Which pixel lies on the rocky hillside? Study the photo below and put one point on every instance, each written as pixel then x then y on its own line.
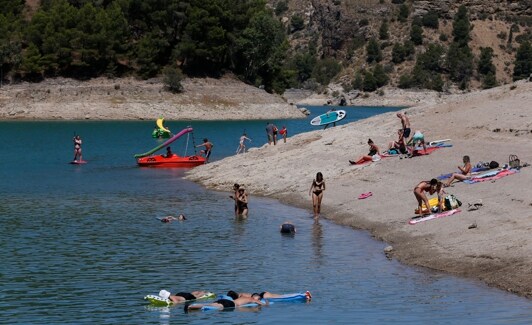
pixel 341 29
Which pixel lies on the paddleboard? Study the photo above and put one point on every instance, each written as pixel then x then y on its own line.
pixel 328 118
pixel 434 216
pixel 78 162
pixel 432 143
pixel 158 301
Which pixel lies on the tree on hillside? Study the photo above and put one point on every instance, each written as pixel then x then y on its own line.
pixel 416 34
pixel 461 26
pixel 380 76
pixel 403 13
pixel 485 64
pixel 370 84
pixel 325 70
pixel 523 62
pixel 373 51
pixel 430 20
pixel 398 53
pixel 383 30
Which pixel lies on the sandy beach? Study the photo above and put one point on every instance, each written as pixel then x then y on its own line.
pixel 487 125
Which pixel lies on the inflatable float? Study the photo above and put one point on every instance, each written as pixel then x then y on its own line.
pixel 161 131
pixel 162 302
pixel 147 159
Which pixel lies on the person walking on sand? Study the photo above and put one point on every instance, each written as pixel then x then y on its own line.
pixel 316 191
pixel 77 148
pixel 431 187
pixel 284 133
pixel 405 123
pixel 465 172
pixel 207 151
pixel 242 145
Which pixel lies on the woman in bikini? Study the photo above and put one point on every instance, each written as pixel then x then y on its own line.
pixel 242 145
pixel 431 187
pixel 316 191
pixel 373 150
pixel 465 172
pixel 77 148
pixel 242 202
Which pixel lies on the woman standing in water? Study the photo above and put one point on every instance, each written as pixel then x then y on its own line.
pixel 77 148
pixel 316 191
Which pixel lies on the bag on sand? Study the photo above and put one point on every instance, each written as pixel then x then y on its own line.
pixel 514 162
pixel 494 164
pixel 451 202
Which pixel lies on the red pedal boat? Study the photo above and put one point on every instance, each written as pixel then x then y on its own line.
pixel 172 161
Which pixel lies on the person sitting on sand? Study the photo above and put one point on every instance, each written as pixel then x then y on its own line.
pixel 418 139
pixel 207 151
pixel 227 303
pixel 373 155
pixel 287 228
pixel 432 186
pixel 316 191
pixel 465 172
pixel 242 145
pixel 399 145
pixel 181 297
pixel 168 219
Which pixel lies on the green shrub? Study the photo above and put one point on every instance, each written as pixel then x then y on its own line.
pixel 373 51
pixel 370 84
pixel 416 35
pixel 444 37
pixel 489 81
pixel 325 70
pixel 358 82
pixel 363 22
pixel 281 7
pixel 297 22
pixel 380 76
pixel 383 30
pixel 398 53
pixel 523 62
pixel 403 13
pixel 430 20
pixel 172 78
pixel 405 81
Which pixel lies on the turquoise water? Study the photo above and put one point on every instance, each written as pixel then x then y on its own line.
pixel 82 245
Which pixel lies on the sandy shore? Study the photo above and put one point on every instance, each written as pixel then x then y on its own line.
pixel 487 125
pixel 131 99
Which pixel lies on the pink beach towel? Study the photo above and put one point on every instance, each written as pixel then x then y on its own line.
pixel 502 174
pixel 425 152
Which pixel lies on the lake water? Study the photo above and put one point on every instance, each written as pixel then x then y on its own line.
pixel 82 245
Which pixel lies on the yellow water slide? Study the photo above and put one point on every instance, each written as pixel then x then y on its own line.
pixel 160 125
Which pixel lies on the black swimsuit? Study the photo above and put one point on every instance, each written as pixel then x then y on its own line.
pixel 186 295
pixel 226 303
pixel 319 188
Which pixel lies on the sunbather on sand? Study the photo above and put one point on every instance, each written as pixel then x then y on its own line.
pixel 374 154
pixel 465 172
pixel 400 144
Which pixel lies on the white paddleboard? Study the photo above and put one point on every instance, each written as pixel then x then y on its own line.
pixel 328 118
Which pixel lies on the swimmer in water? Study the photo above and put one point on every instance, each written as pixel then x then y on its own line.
pixel 168 219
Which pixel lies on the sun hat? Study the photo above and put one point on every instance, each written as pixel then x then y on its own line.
pixel 164 294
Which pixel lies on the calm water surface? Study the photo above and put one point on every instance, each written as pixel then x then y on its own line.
pixel 82 245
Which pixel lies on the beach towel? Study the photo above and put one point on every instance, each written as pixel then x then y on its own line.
pixel 473 170
pixel 490 176
pixel 422 152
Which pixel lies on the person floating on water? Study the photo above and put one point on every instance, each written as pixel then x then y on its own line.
pixel 181 297
pixel 316 191
pixel 227 303
pixel 77 148
pixel 169 219
pixel 263 295
pixel 242 145
pixel 208 148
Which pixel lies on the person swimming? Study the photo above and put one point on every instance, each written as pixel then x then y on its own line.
pixel 168 219
pixel 287 228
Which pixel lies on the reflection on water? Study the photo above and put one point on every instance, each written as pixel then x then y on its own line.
pixel 317 241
